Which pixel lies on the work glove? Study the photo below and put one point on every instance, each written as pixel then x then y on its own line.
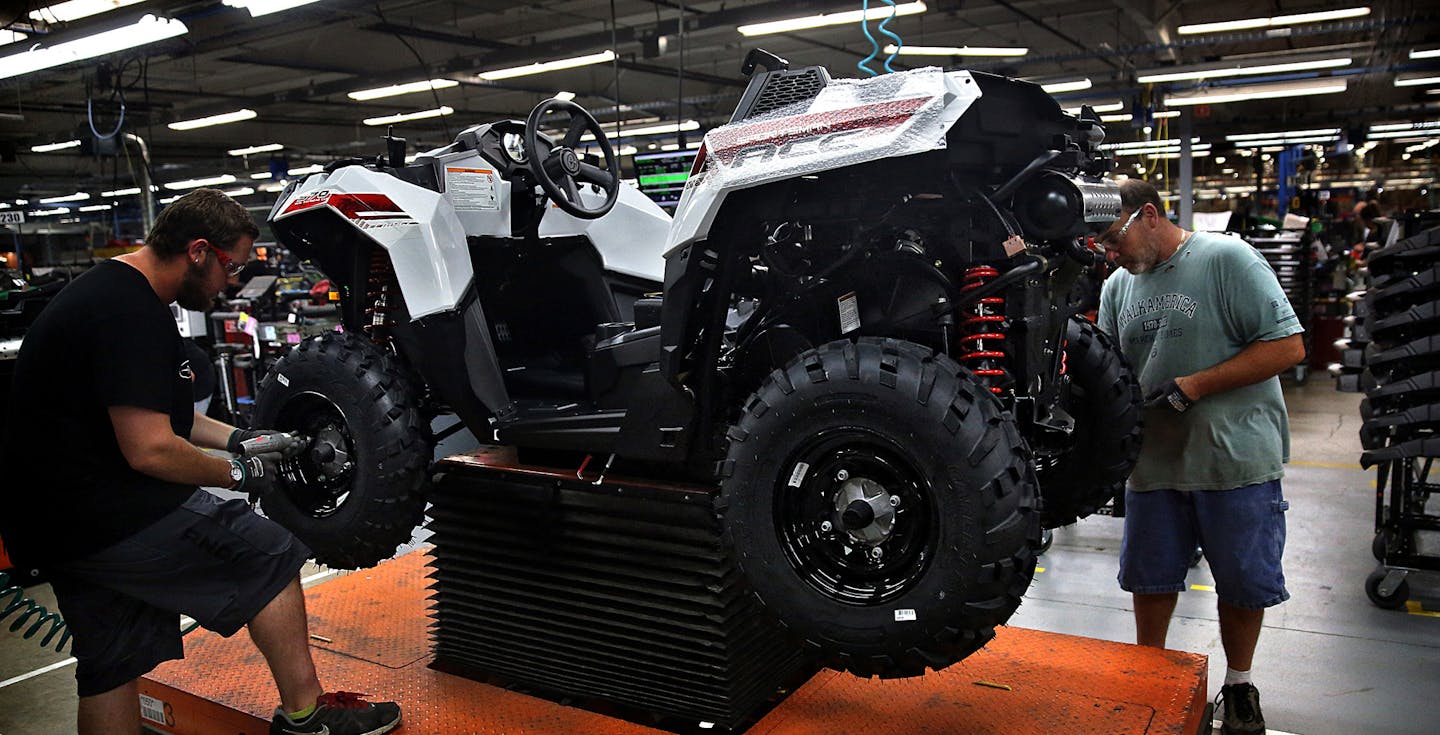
pixel 254 442
pixel 1169 395
pixel 258 474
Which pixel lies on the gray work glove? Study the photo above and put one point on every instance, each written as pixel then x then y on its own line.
pixel 255 442
pixel 1169 395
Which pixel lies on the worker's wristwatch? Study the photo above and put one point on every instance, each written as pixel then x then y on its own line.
pixel 237 474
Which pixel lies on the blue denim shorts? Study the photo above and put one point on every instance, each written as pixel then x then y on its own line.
pixel 1242 532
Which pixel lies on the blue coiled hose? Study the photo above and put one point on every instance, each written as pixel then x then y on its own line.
pixel 875 45
pixel 13 600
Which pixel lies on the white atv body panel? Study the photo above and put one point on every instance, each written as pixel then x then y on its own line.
pixel 425 232
pixel 416 226
pixel 850 121
pixel 630 238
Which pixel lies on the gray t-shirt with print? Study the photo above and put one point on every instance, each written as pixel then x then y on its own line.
pixel 1211 299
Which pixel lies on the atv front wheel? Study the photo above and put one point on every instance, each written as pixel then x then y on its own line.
pixel 1105 403
pixel 880 503
pixel 356 493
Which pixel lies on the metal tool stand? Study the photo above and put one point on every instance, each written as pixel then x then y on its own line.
pixel 1396 343
pixel 1290 254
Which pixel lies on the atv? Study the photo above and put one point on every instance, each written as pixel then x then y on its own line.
pixel 861 325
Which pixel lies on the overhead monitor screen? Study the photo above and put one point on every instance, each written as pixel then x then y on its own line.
pixel 662 175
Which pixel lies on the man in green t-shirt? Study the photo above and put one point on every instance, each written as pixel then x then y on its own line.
pixel 1207 328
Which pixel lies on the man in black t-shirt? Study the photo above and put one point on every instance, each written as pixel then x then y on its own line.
pixel 104 450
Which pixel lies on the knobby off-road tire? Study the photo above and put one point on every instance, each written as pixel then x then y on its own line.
pixel 946 479
pixel 358 492
pixel 1105 403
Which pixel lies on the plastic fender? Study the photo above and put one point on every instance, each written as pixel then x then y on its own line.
pixel 416 226
pixel 630 239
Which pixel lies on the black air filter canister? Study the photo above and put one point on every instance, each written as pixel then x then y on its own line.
pixel 620 592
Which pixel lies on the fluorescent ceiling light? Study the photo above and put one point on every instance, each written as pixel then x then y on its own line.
pixel 1427 53
pixel 258 8
pixel 650 130
pixel 77 9
pixel 260 175
pixel 564 96
pixel 50 212
pixel 266 148
pixel 221 119
pixel 1166 113
pixel 1285 142
pixel 1238 69
pixel 1405 126
pixel 120 192
pixel 1417 81
pixel 1099 107
pixel 313 168
pixel 957 50
pixel 1279 21
pixel 1285 134
pixel 1073 85
pixel 52 147
pixel 197 183
pixel 408 116
pixel 1123 117
pixel 628 150
pixel 1144 144
pixel 398 89
pixel 76 197
pixel 242 191
pixel 1243 93
pixel 95 208
pixel 8 36
pixel 829 19
pixel 1395 134
pixel 170 200
pixel 273 187
pixel 544 66
pixel 148 29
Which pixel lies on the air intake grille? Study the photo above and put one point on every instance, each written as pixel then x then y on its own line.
pixel 620 592
pixel 787 88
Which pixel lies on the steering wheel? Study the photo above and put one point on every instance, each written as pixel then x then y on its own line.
pixel 561 168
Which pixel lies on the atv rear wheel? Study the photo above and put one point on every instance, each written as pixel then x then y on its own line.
pixel 1105 403
pixel 880 503
pixel 356 493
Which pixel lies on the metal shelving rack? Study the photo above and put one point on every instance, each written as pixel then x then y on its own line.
pixel 1290 254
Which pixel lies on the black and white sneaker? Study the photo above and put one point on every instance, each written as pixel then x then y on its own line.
pixel 340 713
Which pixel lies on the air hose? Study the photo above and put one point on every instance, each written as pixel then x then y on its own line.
pixel 13 600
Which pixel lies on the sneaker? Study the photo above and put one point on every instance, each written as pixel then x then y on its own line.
pixel 1242 710
pixel 340 713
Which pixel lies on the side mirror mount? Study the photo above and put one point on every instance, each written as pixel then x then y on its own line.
pixel 394 149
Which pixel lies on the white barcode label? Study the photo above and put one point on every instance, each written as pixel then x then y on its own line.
pixel 849 313
pixel 797 475
pixel 904 615
pixel 282 379
pixel 152 709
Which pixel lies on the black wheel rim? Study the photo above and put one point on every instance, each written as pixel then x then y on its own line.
pixel 319 480
pixel 831 541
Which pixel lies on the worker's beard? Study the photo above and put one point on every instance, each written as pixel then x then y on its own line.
pixel 193 294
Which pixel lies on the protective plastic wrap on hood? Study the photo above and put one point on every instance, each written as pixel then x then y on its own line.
pixel 851 121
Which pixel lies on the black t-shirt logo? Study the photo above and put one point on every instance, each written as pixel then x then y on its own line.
pixel 186 372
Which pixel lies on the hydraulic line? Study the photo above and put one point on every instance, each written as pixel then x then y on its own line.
pixel 13 600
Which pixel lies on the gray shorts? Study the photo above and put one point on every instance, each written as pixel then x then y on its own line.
pixel 214 560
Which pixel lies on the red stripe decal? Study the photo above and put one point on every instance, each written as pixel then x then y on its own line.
pixel 350 205
pixel 778 132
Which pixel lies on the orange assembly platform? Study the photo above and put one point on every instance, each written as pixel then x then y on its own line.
pixel 369 632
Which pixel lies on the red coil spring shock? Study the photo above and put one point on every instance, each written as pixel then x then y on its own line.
pixel 982 333
pixel 377 296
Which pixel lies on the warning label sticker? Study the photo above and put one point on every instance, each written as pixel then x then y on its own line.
pixel 471 189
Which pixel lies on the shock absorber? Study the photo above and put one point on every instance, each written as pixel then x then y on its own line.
pixel 378 297
pixel 983 347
